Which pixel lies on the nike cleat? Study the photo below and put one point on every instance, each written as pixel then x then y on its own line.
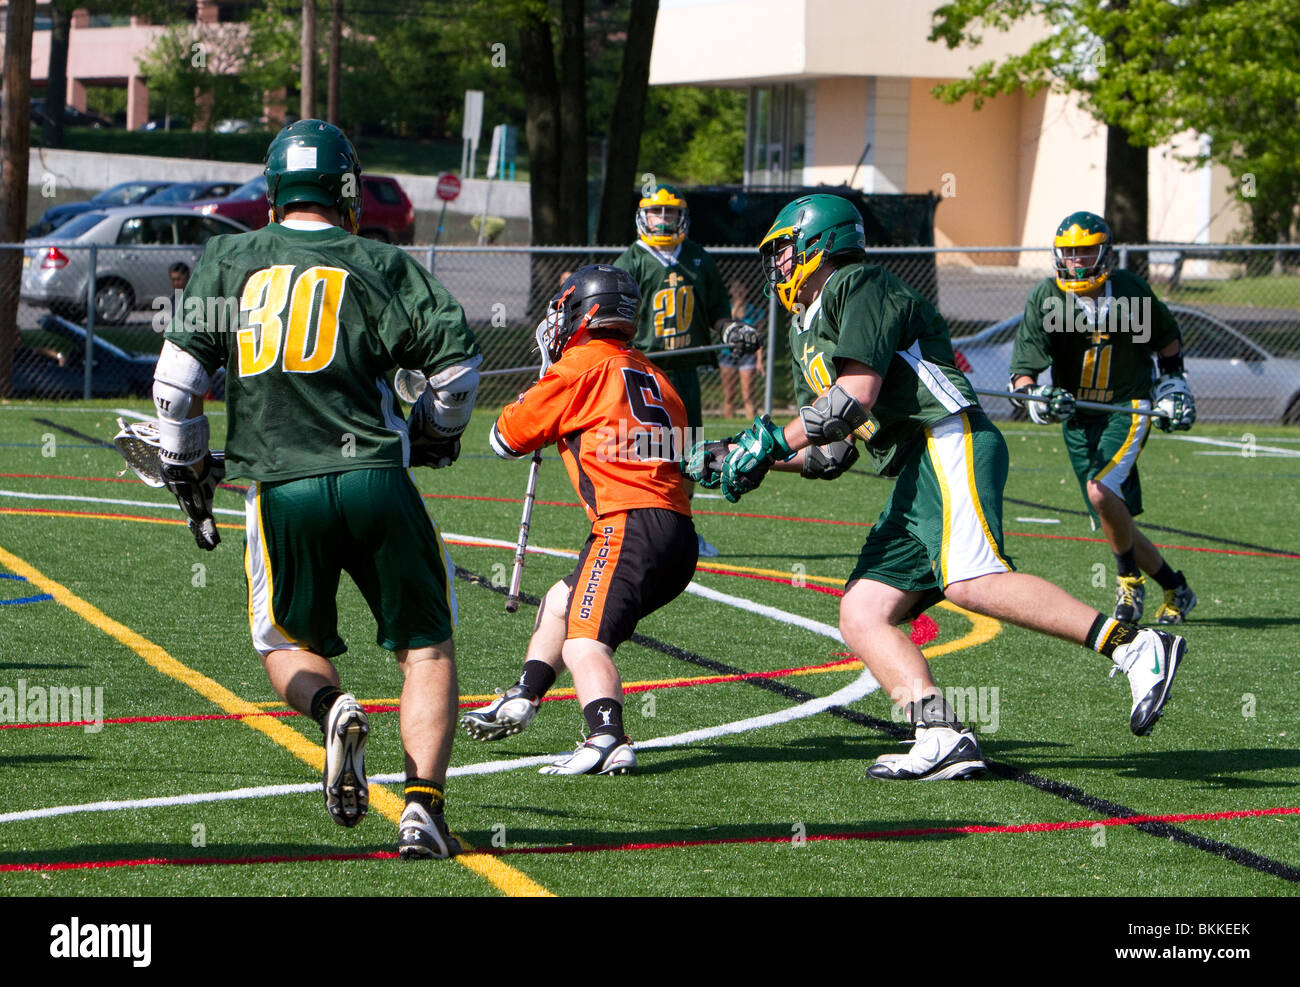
pixel 347 795
pixel 1150 661
pixel 599 754
pixel 504 717
pixel 938 753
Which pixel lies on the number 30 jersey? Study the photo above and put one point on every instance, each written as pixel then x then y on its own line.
pixel 619 425
pixel 310 324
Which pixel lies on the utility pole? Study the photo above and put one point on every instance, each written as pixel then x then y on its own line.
pixel 336 67
pixel 307 104
pixel 15 144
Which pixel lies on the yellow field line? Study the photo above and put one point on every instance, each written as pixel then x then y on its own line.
pixel 503 876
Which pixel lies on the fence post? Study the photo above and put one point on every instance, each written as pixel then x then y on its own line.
pixel 431 249
pixel 88 357
pixel 768 357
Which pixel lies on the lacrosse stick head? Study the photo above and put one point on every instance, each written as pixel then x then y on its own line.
pixel 409 385
pixel 138 444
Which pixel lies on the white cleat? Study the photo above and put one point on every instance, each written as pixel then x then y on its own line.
pixel 1150 661
pixel 347 795
pixel 600 754
pixel 504 717
pixel 938 753
pixel 424 835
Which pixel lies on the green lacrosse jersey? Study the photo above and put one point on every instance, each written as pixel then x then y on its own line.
pixel 867 314
pixel 1099 349
pixel 682 296
pixel 310 325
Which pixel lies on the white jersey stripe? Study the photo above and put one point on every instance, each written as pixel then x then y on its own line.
pixel 968 548
pixel 934 379
pixel 267 635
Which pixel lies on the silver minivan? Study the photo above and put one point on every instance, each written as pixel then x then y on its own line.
pixel 139 246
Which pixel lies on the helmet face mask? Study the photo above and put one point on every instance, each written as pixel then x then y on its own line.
pixel 596 300
pixel 805 233
pixel 662 218
pixel 1082 251
pixel 312 161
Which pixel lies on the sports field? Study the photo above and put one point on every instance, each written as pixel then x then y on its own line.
pixel 753 727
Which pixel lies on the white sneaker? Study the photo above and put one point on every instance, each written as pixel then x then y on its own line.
pixel 707 551
pixel 1150 661
pixel 347 795
pixel 506 716
pixel 600 754
pixel 424 835
pixel 938 753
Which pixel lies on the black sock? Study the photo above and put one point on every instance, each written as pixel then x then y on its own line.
pixel 424 793
pixel 933 711
pixel 1167 578
pixel 1126 564
pixel 1107 634
pixel 323 701
pixel 537 679
pixel 604 716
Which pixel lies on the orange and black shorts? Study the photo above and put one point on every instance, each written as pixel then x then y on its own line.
pixel 633 563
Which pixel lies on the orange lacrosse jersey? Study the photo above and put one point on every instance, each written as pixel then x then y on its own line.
pixel 619 425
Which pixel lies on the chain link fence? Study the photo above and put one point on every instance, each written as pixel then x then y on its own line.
pixel 1238 308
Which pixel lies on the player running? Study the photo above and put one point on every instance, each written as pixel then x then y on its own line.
pixel 326 317
pixel 619 425
pixel 1097 329
pixel 682 298
pixel 873 359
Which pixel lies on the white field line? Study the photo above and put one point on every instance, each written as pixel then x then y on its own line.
pixel 86 411
pixel 158 505
pixel 862 686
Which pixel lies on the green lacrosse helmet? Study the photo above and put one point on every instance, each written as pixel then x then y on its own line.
pixel 313 161
pixel 814 227
pixel 1082 252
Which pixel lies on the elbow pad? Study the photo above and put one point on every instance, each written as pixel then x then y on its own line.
pixel 833 417
pixel 177 380
pixel 449 399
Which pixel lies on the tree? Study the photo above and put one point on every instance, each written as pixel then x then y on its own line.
pixel 1150 70
pixel 15 130
pixel 200 64
pixel 56 79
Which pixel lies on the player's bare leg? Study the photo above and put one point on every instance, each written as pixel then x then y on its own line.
pixel 428 723
pixel 297 676
pixel 594 674
pixel 870 613
pixel 428 715
pixel 730 379
pixel 747 390
pixel 1026 601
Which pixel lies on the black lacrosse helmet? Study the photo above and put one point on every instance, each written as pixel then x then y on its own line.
pixel 598 298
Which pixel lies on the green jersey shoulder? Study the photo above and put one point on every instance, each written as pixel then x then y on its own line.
pixel 866 314
pixel 309 325
pixel 682 296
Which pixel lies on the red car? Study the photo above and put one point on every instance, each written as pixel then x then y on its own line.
pixel 386 211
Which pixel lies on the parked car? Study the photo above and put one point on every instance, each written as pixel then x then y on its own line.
pixel 165 123
pixel 1232 378
pixel 73 117
pixel 60 371
pixel 386 210
pixel 189 192
pixel 232 127
pixel 124 194
pixel 55 276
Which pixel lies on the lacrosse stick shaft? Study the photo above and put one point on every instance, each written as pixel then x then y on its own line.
pixel 521 547
pixel 1117 409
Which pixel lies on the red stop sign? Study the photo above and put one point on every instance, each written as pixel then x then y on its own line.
pixel 448 188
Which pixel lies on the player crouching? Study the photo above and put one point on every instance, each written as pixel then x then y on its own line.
pixel 617 423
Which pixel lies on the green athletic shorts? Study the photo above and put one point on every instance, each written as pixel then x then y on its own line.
pixel 943 521
pixel 370 523
pixel 1105 448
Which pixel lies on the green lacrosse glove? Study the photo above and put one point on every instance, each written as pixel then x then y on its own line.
pixel 704 463
pixel 756 450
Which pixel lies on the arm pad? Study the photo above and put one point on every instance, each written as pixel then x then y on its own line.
pixel 449 399
pixel 832 417
pixel 177 380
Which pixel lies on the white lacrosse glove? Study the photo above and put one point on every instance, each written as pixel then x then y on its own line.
pixel 1046 405
pixel 1173 401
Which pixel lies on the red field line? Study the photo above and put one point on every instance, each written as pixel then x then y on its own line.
pixel 766 517
pixel 880 834
pixel 848 661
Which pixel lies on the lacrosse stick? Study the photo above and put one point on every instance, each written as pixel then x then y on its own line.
pixel 530 496
pixel 1117 409
pixel 138 444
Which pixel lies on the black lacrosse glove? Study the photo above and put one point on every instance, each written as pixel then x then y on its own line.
pixel 194 494
pixel 741 337
pixel 828 461
pixel 434 452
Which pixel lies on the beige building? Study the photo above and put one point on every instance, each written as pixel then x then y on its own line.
pixel 839 93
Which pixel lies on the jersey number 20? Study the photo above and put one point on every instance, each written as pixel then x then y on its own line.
pixel 304 340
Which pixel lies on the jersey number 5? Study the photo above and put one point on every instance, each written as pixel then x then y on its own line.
pixel 305 340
